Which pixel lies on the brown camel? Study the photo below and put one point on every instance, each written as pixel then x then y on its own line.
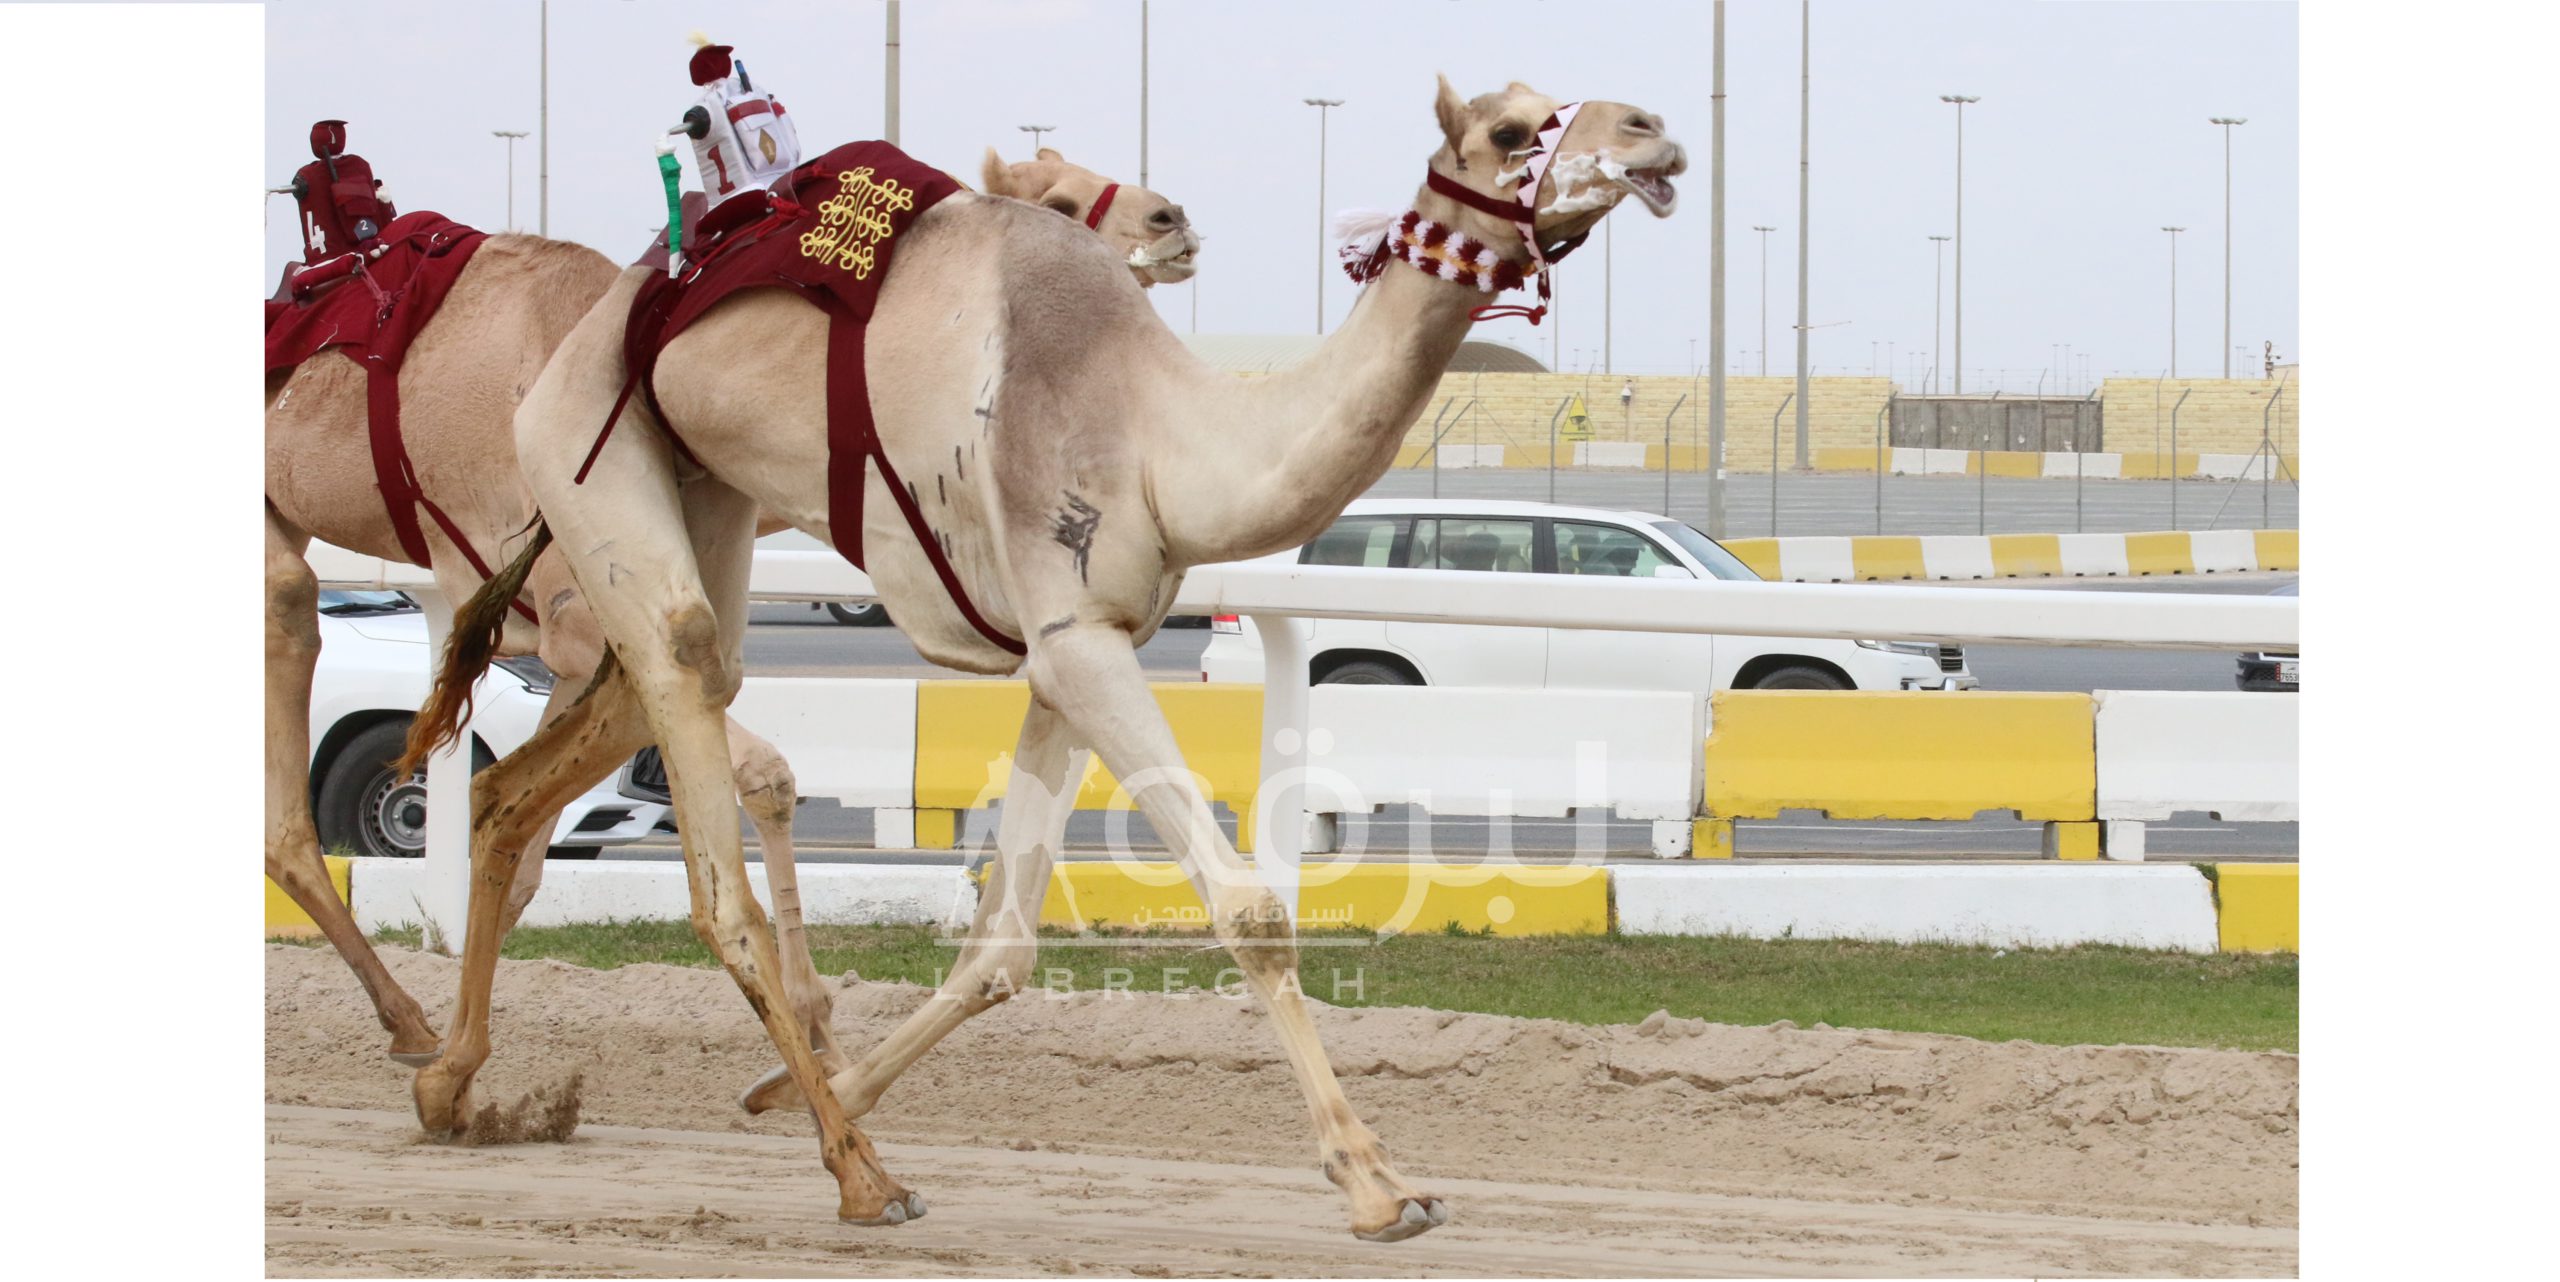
pixel 1073 459
pixel 465 373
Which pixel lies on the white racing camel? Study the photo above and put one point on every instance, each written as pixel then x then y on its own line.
pixel 1046 462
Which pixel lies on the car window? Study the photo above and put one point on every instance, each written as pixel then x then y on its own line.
pixel 1711 554
pixel 1354 540
pixel 1584 548
pixel 1470 543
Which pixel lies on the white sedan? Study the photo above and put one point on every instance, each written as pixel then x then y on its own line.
pixel 371 679
pixel 1542 538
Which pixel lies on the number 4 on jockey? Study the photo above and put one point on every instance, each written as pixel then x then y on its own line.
pixel 341 205
pixel 742 139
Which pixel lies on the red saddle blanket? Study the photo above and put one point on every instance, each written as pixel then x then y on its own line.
pixel 828 233
pixel 379 308
pixel 371 307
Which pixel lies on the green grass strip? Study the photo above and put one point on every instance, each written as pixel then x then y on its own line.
pixel 2065 996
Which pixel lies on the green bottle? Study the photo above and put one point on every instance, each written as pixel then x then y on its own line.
pixel 671 173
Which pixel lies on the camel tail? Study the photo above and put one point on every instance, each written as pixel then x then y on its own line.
pixel 477 629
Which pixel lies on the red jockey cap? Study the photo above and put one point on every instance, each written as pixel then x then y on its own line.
pixel 328 138
pixel 710 62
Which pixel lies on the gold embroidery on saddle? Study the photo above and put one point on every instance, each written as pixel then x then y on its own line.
pixel 853 222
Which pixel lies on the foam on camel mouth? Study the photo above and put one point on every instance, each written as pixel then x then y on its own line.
pixel 1168 269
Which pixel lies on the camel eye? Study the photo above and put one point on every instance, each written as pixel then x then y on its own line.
pixel 1063 205
pixel 1509 137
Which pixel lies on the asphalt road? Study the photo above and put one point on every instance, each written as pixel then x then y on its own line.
pixel 801 641
pixel 1834 503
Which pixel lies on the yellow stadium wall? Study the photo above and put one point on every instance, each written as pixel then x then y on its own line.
pixel 1513 409
pixel 2221 416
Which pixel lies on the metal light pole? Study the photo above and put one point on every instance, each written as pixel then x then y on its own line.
pixel 1035 131
pixel 1142 100
pixel 889 80
pixel 2173 298
pixel 1804 259
pixel 1715 304
pixel 1764 296
pixel 544 147
pixel 510 135
pixel 2227 122
pixel 1608 300
pixel 1959 100
pixel 1324 113
pixel 1937 310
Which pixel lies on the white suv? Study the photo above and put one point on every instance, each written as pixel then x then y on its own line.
pixel 1543 538
pixel 371 679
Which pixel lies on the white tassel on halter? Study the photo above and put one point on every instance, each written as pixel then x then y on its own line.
pixel 1362 231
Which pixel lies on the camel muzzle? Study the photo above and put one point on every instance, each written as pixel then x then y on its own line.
pixel 1171 259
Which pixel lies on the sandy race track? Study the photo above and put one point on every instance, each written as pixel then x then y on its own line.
pixel 1149 1135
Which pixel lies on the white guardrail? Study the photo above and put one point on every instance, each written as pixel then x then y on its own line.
pixel 1272 592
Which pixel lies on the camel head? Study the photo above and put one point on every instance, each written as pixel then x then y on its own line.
pixel 1609 151
pixel 1148 230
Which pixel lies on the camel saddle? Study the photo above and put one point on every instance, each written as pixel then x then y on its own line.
pixel 370 306
pixel 827 231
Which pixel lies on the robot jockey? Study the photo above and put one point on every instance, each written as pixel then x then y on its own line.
pixel 742 139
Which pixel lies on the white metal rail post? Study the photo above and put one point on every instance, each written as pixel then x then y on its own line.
pixel 1276 595
pixel 445 898
pixel 1280 803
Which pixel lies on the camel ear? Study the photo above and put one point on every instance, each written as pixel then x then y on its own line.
pixel 1050 153
pixel 1453 115
pixel 995 174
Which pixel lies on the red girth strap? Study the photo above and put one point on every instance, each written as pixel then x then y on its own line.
pixel 397 478
pixel 853 439
pixel 1101 206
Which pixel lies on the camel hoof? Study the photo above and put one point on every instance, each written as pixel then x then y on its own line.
pixel 773 1090
pixel 417 1059
pixel 1417 1218
pixel 890 1216
pixel 915 1206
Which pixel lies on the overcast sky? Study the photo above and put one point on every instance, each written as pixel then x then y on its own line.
pixel 2090 136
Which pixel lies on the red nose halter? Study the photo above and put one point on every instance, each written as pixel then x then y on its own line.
pixel 1093 219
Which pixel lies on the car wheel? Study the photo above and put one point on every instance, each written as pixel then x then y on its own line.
pixel 1367 672
pixel 1800 677
pixel 868 615
pixel 572 852
pixel 361 806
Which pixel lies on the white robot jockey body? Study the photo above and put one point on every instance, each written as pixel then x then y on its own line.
pixel 742 138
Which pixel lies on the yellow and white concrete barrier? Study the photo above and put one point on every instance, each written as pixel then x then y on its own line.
pixel 1888 557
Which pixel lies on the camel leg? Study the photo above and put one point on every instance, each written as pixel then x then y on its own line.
pixel 1091 675
pixel 587 731
pixel 293 844
pixel 768 792
pixel 1003 944
pixel 664 608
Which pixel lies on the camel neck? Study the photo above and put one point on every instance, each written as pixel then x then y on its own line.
pixel 1264 463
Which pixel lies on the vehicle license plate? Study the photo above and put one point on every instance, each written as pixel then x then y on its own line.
pixel 2289 671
